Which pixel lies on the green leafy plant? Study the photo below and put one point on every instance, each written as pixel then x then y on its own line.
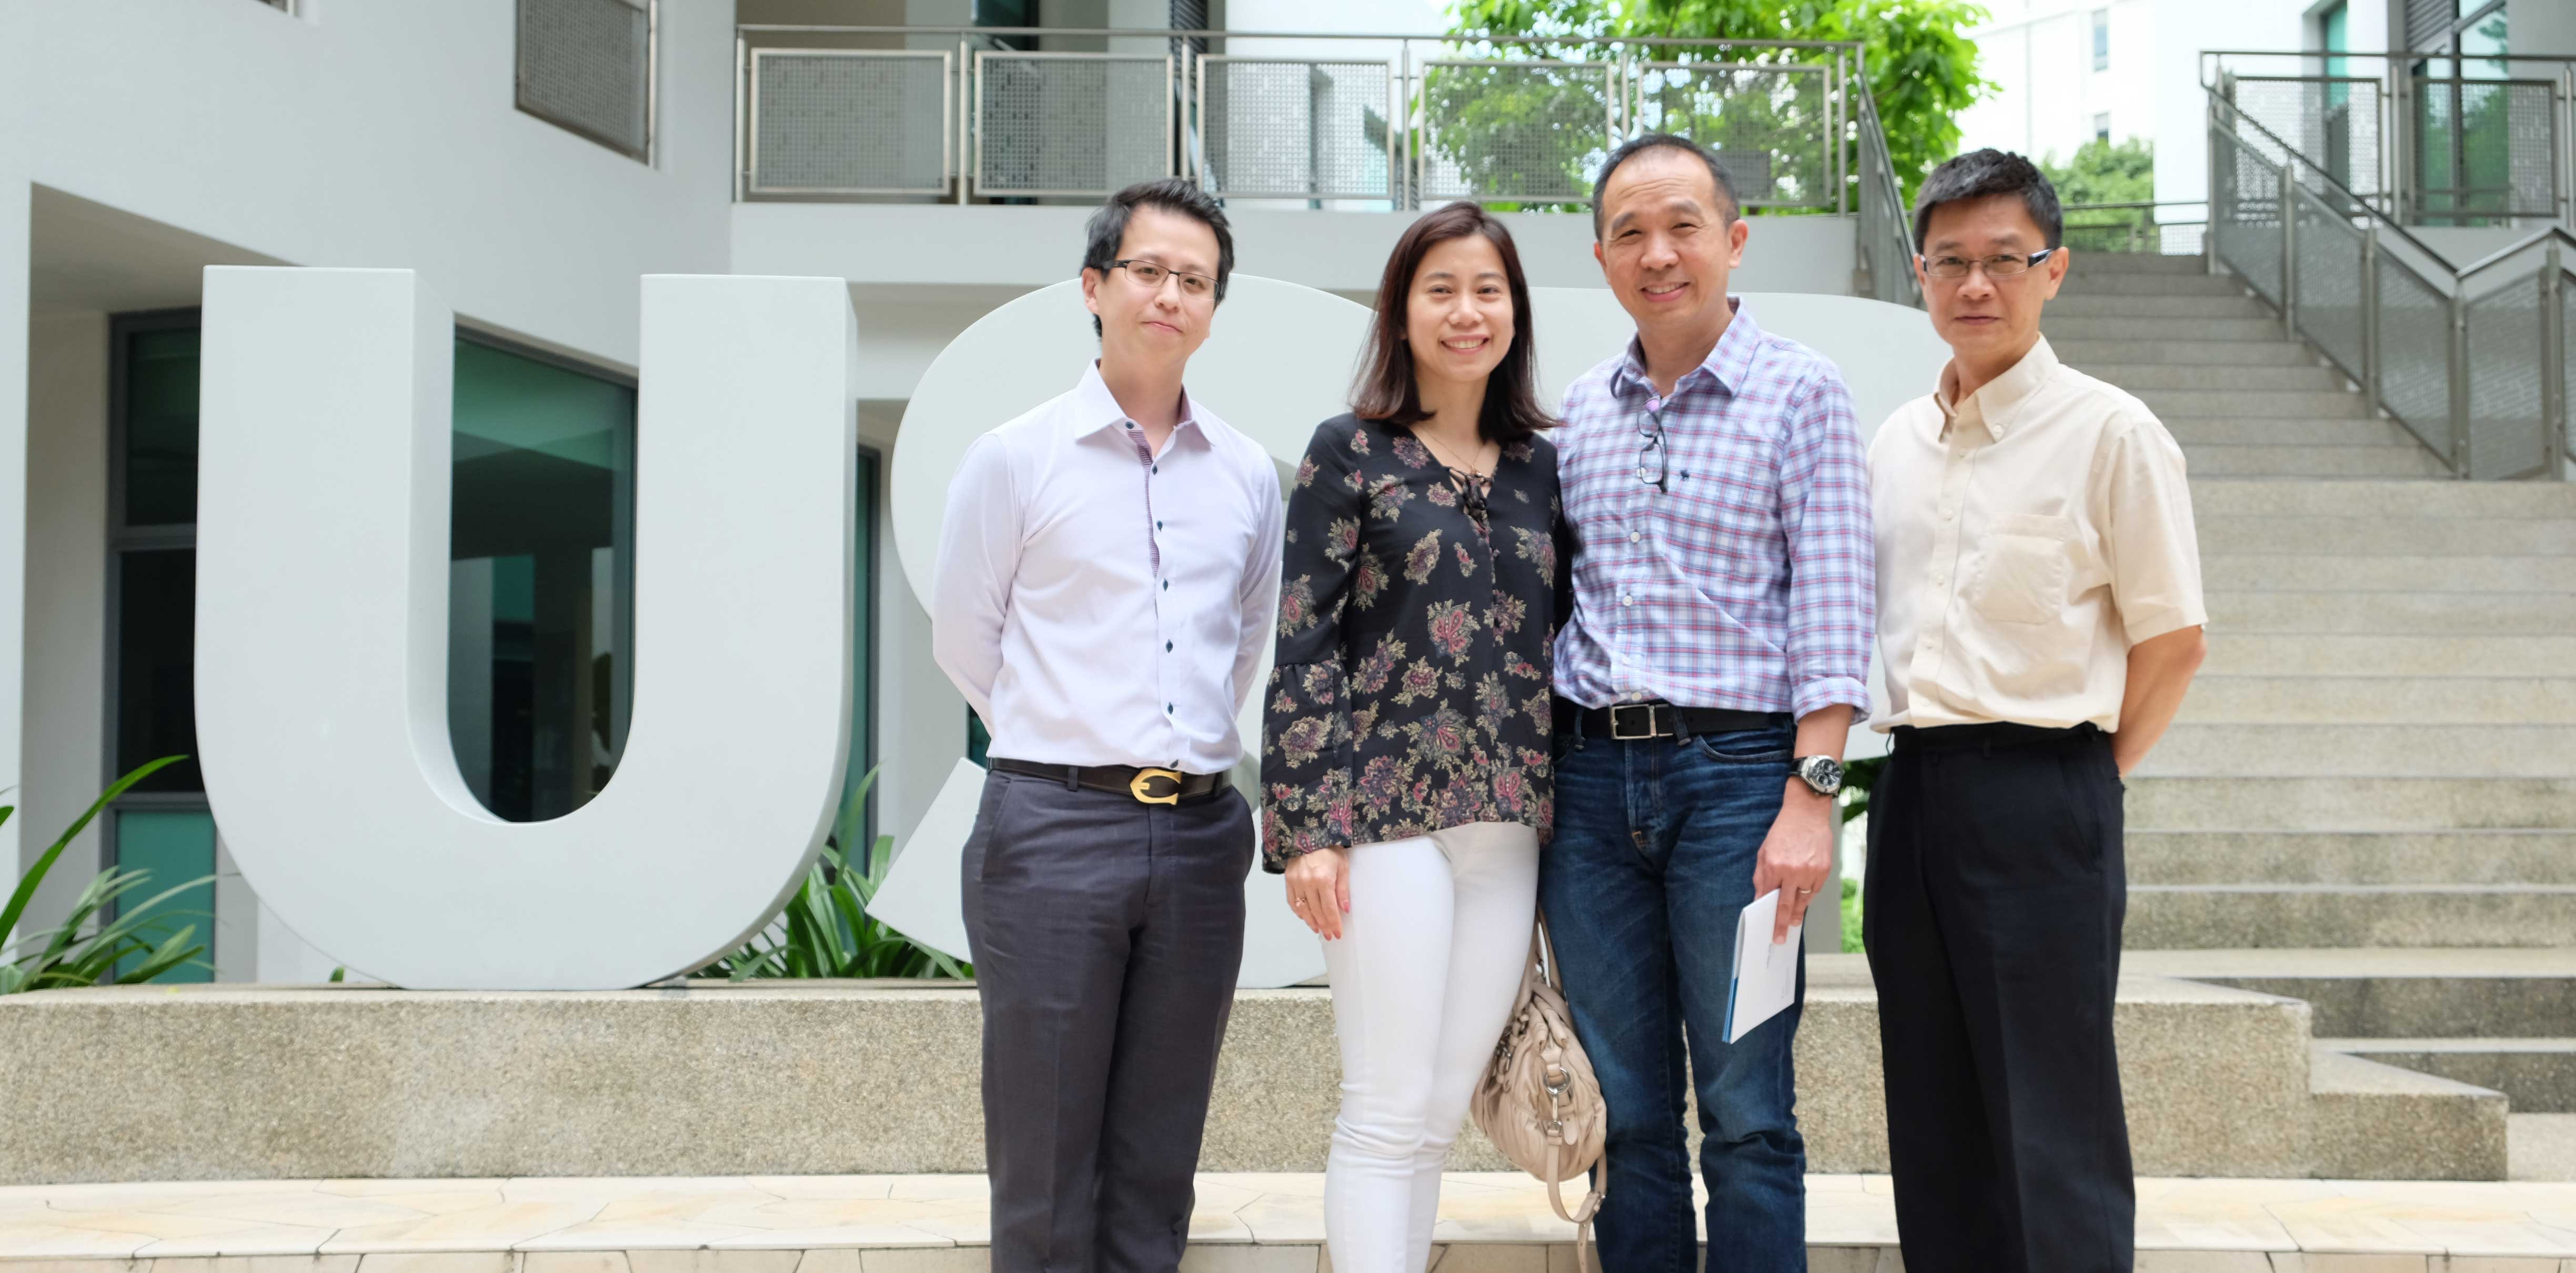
pixel 826 930
pixel 1859 777
pixel 87 949
pixel 1921 71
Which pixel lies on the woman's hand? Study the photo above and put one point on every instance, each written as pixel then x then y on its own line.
pixel 1319 890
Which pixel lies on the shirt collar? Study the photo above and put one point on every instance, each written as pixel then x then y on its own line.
pixel 1997 404
pixel 1729 364
pixel 1096 409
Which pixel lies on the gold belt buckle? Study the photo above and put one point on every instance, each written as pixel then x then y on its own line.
pixel 1136 786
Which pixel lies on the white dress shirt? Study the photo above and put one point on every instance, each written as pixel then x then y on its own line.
pixel 2027 538
pixel 1098 605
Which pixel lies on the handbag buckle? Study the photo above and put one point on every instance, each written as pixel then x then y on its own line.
pixel 1144 777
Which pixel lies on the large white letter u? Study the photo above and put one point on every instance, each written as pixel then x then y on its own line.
pixel 322 630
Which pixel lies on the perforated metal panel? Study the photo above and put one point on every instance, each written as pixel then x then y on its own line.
pixel 588 65
pixel 2489 147
pixel 2506 435
pixel 1530 132
pixel 1296 128
pixel 1770 125
pixel 848 121
pixel 2336 121
pixel 2330 260
pixel 1074 124
pixel 2415 354
pixel 2246 216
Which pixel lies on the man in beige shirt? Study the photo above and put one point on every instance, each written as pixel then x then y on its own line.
pixel 2039 619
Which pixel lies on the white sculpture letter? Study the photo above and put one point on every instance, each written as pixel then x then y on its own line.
pixel 322 628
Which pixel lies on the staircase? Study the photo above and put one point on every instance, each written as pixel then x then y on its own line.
pixel 2369 800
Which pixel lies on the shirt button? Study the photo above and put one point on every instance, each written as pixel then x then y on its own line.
pixel 1154 468
pixel 1949 517
pixel 1167 585
pixel 1635 535
pixel 1167 709
pixel 1627 601
pixel 1131 424
pixel 1158 525
pixel 1167 647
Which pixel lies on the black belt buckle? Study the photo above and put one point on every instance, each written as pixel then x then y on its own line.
pixel 1619 733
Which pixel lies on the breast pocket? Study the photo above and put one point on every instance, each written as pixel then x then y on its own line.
pixel 2028 561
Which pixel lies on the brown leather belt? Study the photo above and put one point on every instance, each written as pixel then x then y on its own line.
pixel 1630 722
pixel 1141 784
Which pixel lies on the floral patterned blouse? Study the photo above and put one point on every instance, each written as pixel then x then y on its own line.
pixel 1417 630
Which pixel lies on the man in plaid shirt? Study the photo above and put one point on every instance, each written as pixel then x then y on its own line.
pixel 1718 499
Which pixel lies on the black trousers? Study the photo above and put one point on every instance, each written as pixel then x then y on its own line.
pixel 1106 936
pixel 1992 912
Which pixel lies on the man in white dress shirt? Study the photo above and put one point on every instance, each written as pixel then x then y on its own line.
pixel 1107 573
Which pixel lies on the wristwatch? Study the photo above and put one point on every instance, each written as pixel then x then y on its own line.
pixel 1822 774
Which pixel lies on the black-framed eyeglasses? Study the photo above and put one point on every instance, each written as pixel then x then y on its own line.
pixel 2002 265
pixel 1152 276
pixel 1653 462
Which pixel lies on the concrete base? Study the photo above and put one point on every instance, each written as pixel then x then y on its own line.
pixel 231 1082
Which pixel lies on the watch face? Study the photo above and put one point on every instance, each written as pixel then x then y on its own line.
pixel 1823 773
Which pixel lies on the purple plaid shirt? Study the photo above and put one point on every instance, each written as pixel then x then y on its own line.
pixel 1747 582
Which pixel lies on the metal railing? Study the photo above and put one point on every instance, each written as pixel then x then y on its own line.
pixel 590 66
pixel 2473 362
pixel 960 113
pixel 2134 227
pixel 2429 140
pixel 1884 254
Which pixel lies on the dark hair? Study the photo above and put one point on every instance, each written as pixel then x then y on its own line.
pixel 1108 227
pixel 1385 388
pixel 1980 173
pixel 1635 146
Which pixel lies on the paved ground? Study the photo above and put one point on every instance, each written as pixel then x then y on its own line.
pixel 1245 1224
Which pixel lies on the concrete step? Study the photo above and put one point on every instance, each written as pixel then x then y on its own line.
pixel 2256 654
pixel 2379 1122
pixel 2088 352
pixel 2360 803
pixel 2095 263
pixel 2381 700
pixel 2352 857
pixel 2327 751
pixel 2086 327
pixel 2240 916
pixel 2139 377
pixel 2538 1076
pixel 2256 404
pixel 2197 305
pixel 2538 1147
pixel 2392 532
pixel 2381 500
pixel 2348 430
pixel 2319 572
pixel 2430 992
pixel 2085 280
pixel 2222 460
pixel 2427 613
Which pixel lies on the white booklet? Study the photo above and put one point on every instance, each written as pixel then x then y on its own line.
pixel 1766 976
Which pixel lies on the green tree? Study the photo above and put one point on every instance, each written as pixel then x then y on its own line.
pixel 2104 172
pixel 1920 70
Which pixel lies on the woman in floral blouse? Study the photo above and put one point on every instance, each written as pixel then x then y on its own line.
pixel 1407 767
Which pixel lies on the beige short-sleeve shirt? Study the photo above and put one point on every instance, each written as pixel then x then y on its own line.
pixel 2027 537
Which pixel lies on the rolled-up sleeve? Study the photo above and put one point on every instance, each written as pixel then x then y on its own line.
pixel 2148 537
pixel 1824 512
pixel 1306 728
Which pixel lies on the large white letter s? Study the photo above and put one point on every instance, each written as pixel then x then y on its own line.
pixel 322 584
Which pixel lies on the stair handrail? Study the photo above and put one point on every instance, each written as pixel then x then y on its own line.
pixel 2557 423
pixel 1879 185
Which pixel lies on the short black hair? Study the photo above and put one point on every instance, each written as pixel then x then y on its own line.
pixel 1980 173
pixel 1663 141
pixel 1108 227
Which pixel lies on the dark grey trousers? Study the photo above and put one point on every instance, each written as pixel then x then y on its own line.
pixel 1107 935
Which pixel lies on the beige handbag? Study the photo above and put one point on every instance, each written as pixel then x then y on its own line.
pixel 1538 1101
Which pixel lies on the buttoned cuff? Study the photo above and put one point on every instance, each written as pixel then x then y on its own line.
pixel 1816 695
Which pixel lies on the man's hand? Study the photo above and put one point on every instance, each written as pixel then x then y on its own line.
pixel 1319 890
pixel 1797 855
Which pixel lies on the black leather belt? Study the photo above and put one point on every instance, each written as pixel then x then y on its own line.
pixel 1143 785
pixel 1633 722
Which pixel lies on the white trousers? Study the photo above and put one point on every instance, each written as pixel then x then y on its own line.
pixel 1423 977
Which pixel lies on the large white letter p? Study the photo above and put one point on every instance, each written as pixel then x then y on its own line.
pixel 322 592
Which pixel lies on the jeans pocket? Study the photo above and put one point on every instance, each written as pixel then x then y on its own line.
pixel 1746 747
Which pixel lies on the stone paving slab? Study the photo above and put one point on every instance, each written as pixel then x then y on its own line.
pixel 1246 1223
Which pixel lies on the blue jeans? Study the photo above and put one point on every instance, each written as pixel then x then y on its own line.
pixel 1653 857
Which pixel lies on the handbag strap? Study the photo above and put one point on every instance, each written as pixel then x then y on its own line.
pixel 1584 1261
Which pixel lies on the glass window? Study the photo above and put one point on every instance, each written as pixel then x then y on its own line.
pixel 2101 39
pixel 540 614
pixel 158 464
pixel 2102 126
pixel 863 646
pixel 156 666
pixel 175 846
